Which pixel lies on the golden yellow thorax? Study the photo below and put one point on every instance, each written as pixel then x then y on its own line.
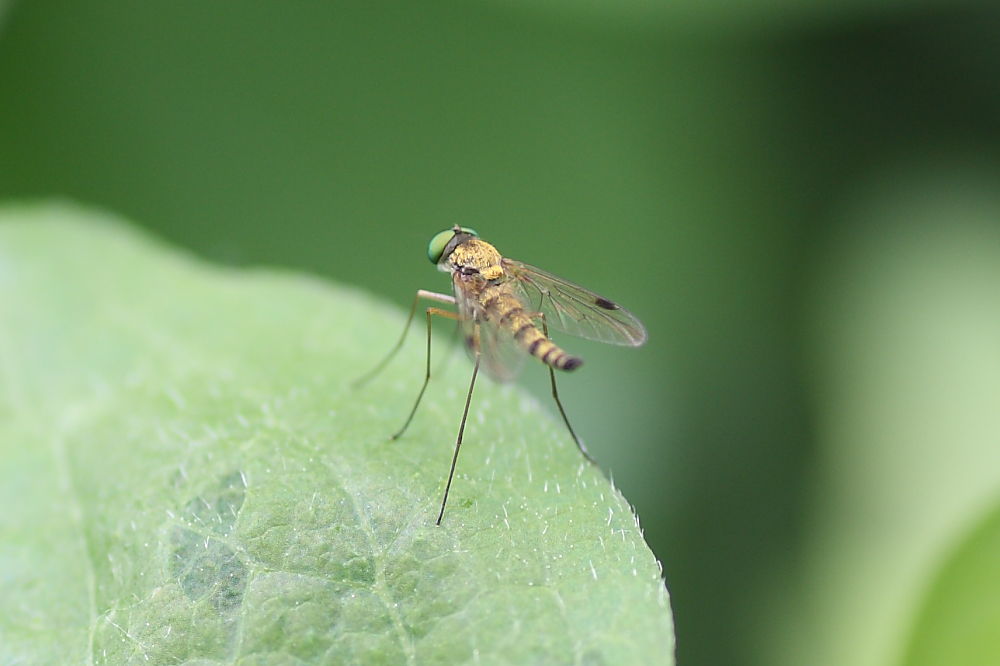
pixel 480 255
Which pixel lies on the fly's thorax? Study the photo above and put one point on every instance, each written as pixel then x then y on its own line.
pixel 476 257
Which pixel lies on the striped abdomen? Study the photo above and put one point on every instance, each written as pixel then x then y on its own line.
pixel 505 310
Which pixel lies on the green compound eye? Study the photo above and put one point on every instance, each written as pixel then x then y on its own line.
pixel 438 244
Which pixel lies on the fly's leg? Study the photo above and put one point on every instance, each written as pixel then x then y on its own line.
pixel 427 376
pixel 458 441
pixel 555 395
pixel 446 361
pixel 421 293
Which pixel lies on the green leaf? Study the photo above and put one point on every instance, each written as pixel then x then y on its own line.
pixel 188 477
pixel 959 622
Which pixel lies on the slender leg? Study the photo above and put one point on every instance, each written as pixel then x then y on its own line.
pixel 452 347
pixel 421 293
pixel 555 395
pixel 458 442
pixel 427 376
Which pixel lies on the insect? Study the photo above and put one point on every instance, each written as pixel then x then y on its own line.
pixel 504 310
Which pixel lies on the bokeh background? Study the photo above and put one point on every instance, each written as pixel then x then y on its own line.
pixel 801 200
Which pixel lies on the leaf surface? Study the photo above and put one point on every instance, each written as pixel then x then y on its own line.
pixel 190 479
pixel 958 620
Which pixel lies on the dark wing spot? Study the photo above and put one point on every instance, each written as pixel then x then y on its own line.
pixel 602 302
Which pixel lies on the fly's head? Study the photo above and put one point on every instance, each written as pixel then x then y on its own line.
pixel 460 251
pixel 443 245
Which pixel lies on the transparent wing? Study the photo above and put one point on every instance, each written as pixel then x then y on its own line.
pixel 572 309
pixel 499 353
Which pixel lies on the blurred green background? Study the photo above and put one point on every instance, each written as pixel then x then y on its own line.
pixel 801 201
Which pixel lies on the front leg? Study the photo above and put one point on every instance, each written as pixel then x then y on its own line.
pixel 427 375
pixel 421 294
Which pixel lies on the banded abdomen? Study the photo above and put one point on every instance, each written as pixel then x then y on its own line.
pixel 506 311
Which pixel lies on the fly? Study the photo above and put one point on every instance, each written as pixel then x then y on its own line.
pixel 504 309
